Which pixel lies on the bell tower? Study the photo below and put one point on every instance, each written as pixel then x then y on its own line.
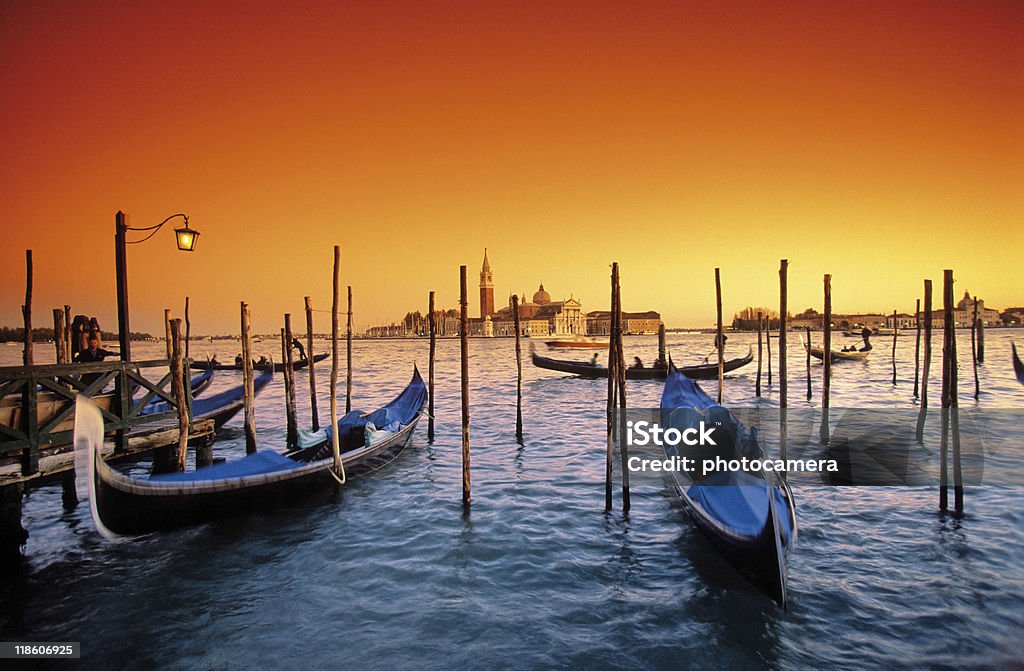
pixel 486 289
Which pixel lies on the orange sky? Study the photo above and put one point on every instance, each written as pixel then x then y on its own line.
pixel 881 142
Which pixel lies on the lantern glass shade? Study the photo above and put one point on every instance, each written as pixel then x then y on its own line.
pixel 186 238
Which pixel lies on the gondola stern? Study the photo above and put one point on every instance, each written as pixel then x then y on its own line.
pixel 88 442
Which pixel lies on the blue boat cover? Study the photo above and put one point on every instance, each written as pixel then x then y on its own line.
pixel 211 404
pixel 738 500
pixel 259 462
pixel 399 412
pixel 405 406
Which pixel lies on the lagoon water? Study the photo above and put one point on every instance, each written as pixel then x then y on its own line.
pixel 390 574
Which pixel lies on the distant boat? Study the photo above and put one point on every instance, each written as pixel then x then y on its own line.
pixel 874 332
pixel 819 353
pixel 589 370
pixel 1018 367
pixel 577 342
pixel 126 504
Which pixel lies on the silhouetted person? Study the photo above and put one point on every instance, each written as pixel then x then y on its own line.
pixel 866 334
pixel 94 353
pixel 637 363
pixel 302 350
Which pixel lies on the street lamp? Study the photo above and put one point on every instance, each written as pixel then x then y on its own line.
pixel 186 238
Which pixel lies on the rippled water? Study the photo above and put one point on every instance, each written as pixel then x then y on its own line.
pixel 391 574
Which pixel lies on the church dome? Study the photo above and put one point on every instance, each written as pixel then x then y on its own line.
pixel 541 297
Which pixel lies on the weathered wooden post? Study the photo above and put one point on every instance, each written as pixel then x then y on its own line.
pixel 309 366
pixel 719 336
pixel 927 342
pixel 613 380
pixel 430 372
pixel 620 374
pixel 826 384
pixel 768 345
pixel 69 353
pixel 783 383
pixel 808 362
pixel 167 331
pixel 950 401
pixel 26 309
pixel 917 348
pixel 464 344
pixel 974 348
pixel 519 371
pixel 348 355
pixel 981 336
pixel 895 334
pixel 178 390
pixel 247 378
pixel 339 465
pixel 58 336
pixel 757 385
pixel 291 421
pixel 188 330
pixel 662 359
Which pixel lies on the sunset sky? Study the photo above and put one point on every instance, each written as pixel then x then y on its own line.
pixel 878 141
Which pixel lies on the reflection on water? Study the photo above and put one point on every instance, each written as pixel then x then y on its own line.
pixel 390 574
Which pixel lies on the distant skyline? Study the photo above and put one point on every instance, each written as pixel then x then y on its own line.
pixel 880 142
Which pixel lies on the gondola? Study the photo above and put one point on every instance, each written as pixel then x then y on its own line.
pixel 1018 367
pixel 819 353
pixel 128 505
pixel 219 407
pixel 749 519
pixel 593 371
pixel 278 367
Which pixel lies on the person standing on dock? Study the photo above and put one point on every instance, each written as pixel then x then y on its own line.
pixel 94 353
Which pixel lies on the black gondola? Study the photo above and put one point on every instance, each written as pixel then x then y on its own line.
pixel 1018 366
pixel 124 504
pixel 278 367
pixel 594 371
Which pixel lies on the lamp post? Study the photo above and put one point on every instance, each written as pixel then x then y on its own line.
pixel 186 238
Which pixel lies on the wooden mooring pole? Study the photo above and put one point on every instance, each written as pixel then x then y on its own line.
pixel 610 405
pixel 895 334
pixel 348 355
pixel 662 358
pixel 974 348
pixel 247 379
pixel 26 310
pixel 339 466
pixel 826 381
pixel 58 336
pixel 783 386
pixel 178 389
pixel 430 371
pixel 917 349
pixel 950 403
pixel 620 377
pixel 926 369
pixel 188 330
pixel 808 362
pixel 167 331
pixel 757 385
pixel 314 414
pixel 464 348
pixel 291 420
pixel 719 335
pixel 519 371
pixel 768 345
pixel 981 337
pixel 67 334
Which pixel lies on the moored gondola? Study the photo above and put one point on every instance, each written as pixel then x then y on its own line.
pixel 278 367
pixel 751 520
pixel 125 504
pixel 819 353
pixel 1018 366
pixel 594 371
pixel 220 407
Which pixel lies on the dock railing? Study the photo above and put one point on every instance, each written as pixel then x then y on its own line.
pixel 37 403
